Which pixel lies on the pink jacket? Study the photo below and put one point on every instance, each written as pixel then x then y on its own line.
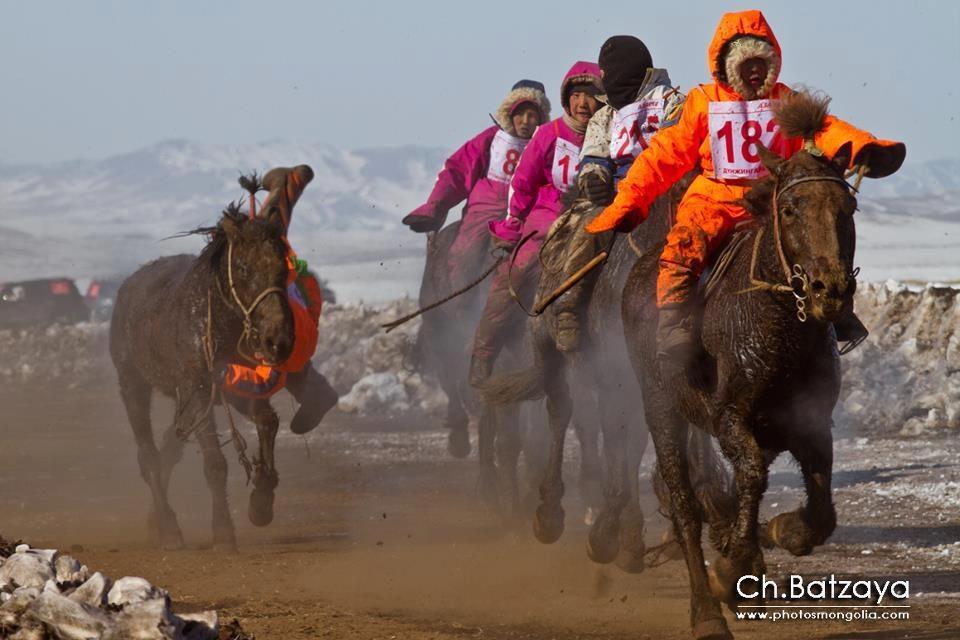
pixel 464 178
pixel 547 169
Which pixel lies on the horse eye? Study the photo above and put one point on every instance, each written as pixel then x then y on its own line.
pixel 788 212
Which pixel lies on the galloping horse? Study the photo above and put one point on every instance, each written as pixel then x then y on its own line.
pixel 177 322
pixel 769 371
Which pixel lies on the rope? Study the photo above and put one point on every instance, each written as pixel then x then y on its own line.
pixel 513 291
pixel 390 326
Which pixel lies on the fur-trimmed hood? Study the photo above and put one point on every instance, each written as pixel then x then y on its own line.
pixel 740 36
pixel 580 73
pixel 516 97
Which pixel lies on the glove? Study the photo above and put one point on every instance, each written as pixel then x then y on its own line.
pixel 506 232
pixel 597 186
pixel 425 218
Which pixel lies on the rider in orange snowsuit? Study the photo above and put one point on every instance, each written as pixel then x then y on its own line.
pixel 744 59
pixel 309 387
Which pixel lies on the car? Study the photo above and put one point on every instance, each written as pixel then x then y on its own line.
pixel 39 303
pixel 101 296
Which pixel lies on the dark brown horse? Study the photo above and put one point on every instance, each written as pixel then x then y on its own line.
pixel 595 383
pixel 769 371
pixel 177 322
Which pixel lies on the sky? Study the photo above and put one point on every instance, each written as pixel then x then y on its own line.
pixel 93 78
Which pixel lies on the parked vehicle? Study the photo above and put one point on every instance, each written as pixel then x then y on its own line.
pixel 38 303
pixel 101 296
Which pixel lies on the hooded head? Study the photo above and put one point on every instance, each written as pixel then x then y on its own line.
pixel 624 61
pixel 582 75
pixel 523 93
pixel 740 37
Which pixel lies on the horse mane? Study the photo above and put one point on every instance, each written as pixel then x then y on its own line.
pixel 801 114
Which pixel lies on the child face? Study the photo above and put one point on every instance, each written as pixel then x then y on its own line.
pixel 525 119
pixel 582 106
pixel 753 72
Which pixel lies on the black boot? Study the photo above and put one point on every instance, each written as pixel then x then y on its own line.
pixel 315 396
pixel 480 370
pixel 675 340
pixel 850 330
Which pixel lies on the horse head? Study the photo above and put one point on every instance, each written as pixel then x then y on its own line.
pixel 251 269
pixel 807 208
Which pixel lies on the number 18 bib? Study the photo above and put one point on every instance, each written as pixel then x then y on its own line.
pixel 735 130
pixel 566 164
pixel 505 151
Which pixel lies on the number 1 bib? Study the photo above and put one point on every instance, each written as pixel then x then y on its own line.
pixel 735 130
pixel 632 128
pixel 566 164
pixel 505 151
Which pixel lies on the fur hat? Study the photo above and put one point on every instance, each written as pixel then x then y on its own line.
pixel 741 49
pixel 583 75
pixel 525 91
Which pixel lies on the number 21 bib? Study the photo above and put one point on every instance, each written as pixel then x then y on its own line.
pixel 505 151
pixel 633 126
pixel 566 164
pixel 735 130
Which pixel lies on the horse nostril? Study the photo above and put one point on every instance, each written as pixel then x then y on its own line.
pixel 818 286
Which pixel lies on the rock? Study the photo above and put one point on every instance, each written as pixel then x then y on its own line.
pixel 68 569
pixel 200 626
pixel 145 620
pixel 93 592
pixel 27 568
pixel 376 393
pixel 132 590
pixel 70 620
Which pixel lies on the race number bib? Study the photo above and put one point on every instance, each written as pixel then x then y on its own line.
pixel 566 164
pixel 632 128
pixel 505 151
pixel 735 130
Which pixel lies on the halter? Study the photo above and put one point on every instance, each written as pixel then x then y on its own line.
pixel 245 312
pixel 796 275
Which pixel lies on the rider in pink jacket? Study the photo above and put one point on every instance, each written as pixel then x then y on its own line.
pixel 547 169
pixel 480 172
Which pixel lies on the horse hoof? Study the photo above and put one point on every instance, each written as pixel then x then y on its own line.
pixel 631 560
pixel 723 576
pixel 548 524
pixel 632 548
pixel 458 443
pixel 260 509
pixel 712 629
pixel 603 541
pixel 789 531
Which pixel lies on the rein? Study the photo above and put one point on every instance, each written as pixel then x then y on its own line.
pixel 795 275
pixel 246 313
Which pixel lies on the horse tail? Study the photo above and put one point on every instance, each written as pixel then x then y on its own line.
pixel 514 386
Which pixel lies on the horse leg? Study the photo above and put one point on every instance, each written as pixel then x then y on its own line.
pixel 669 439
pixel 603 541
pixel 632 547
pixel 457 420
pixel 591 477
pixel 536 449
pixel 740 552
pixel 508 457
pixel 265 477
pixel 486 437
pixel 548 520
pixel 171 453
pixel 215 471
pixel 136 393
pixel 809 526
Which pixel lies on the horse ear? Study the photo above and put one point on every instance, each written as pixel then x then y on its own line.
pixel 230 225
pixel 841 159
pixel 769 159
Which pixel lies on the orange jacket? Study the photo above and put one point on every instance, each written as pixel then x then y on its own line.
pixel 676 150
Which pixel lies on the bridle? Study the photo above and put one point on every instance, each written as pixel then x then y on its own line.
pixel 245 312
pixel 796 280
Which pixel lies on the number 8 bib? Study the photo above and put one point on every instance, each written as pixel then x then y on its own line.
pixel 735 130
pixel 505 151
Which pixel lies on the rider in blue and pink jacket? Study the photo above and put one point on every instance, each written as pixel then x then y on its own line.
pixel 547 169
pixel 480 172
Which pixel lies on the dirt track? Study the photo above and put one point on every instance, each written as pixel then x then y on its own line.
pixel 378 534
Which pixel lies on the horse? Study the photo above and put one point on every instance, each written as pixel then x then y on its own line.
pixel 598 370
pixel 177 322
pixel 768 373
